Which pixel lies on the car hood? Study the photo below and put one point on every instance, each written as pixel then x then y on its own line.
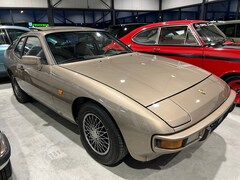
pixel 142 77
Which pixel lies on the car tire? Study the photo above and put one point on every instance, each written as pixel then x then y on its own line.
pixel 100 136
pixel 234 83
pixel 20 95
pixel 6 172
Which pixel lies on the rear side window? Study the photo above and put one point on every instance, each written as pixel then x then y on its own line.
pixel 147 37
pixel 15 33
pixel 19 47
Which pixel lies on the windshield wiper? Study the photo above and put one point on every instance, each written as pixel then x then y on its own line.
pixel 123 52
pixel 117 53
pixel 73 59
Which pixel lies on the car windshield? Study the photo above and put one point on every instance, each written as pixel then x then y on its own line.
pixel 209 33
pixel 68 47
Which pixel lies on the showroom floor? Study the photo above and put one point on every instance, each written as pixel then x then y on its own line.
pixel 45 146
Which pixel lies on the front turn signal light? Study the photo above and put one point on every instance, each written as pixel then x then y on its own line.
pixel 170 144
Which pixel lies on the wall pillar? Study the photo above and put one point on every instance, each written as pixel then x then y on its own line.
pixel 50 13
pixel 203 10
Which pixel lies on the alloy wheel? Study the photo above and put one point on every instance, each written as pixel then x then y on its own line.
pixel 96 134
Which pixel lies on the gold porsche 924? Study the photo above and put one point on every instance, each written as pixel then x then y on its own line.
pixel 123 101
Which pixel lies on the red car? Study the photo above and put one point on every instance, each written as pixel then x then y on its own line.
pixel 196 42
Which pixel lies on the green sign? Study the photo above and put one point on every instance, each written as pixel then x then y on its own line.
pixel 38 24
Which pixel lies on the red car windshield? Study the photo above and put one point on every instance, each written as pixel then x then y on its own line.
pixel 209 33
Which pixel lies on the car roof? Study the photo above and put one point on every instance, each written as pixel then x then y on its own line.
pixel 174 23
pixel 49 28
pixel 55 29
pixel 13 27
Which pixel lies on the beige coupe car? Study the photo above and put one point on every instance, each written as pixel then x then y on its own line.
pixel 123 101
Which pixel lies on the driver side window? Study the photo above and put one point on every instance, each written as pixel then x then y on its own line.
pixel 33 47
pixel 19 47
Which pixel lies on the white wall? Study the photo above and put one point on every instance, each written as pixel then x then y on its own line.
pixel 169 4
pixel 97 4
pixel 23 3
pixel 137 4
pixel 93 4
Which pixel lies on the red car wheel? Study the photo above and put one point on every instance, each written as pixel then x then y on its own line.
pixel 234 83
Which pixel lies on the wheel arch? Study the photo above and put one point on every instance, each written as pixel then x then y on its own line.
pixel 80 101
pixel 227 75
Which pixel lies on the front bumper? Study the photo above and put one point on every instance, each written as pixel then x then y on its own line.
pixel 198 132
pixel 4 158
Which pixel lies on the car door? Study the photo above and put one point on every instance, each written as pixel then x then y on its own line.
pixel 177 42
pixel 35 78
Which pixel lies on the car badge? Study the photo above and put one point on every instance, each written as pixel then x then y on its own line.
pixel 202 91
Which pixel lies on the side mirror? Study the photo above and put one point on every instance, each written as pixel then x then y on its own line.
pixel 31 60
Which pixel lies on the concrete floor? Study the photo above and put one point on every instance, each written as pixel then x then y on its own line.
pixel 45 146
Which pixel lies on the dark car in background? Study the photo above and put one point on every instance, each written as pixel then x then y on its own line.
pixel 5 164
pixel 121 30
pixel 230 28
pixel 8 34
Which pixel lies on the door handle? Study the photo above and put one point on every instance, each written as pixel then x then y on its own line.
pixel 156 49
